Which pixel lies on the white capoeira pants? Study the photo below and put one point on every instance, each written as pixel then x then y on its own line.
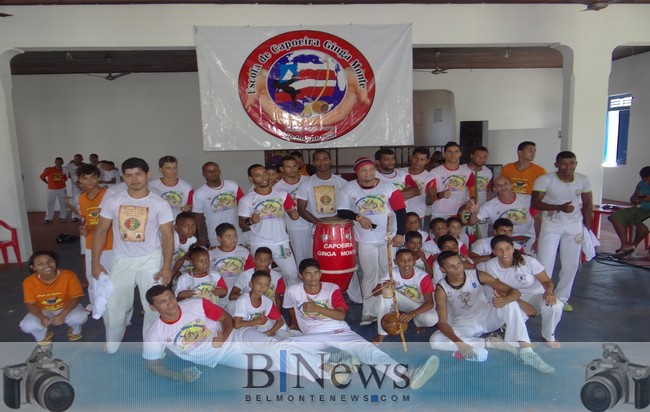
pixel 283 257
pixel 347 340
pixel 426 319
pixel 301 243
pixel 52 196
pixel 248 348
pixel 126 274
pixel 551 315
pixel 469 330
pixel 31 324
pixel 106 259
pixel 373 259
pixel 568 236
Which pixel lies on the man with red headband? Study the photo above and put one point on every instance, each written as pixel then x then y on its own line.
pixel 369 201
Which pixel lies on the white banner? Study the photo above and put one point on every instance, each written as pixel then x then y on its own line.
pixel 269 88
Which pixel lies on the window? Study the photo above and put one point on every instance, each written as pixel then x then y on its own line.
pixel 616 129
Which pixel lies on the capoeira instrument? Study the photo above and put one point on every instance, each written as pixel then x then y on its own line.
pixel 390 321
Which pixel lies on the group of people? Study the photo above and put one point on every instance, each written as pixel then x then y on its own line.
pixel 215 265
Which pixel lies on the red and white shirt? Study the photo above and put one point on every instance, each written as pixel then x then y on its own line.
pixel 418 203
pixel 375 203
pixel 201 286
pixel 276 288
pixel 329 296
pixel 245 309
pixel 292 190
pixel 189 337
pixel 414 287
pixel 458 182
pixel 231 264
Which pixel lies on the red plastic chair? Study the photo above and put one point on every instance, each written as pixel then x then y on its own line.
pixel 13 242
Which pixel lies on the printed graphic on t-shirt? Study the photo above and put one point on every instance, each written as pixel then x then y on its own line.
pixel 372 205
pixel 175 199
pixel 313 315
pixel 92 218
pixel 51 302
pixel 133 222
pixel 269 209
pixel 410 292
pixel 204 290
pixel 270 293
pixel 191 335
pixel 516 216
pixel 481 183
pixel 325 199
pixel 519 186
pixel 229 266
pixel 455 183
pixel 223 201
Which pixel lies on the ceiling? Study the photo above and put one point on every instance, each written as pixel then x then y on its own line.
pixel 156 61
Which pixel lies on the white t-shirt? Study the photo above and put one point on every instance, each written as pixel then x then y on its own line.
pixel 412 288
pixel 177 195
pixel 189 337
pixel 231 264
pixel 136 223
pixel 329 296
pixel 218 205
pixel 418 203
pixel 321 195
pixel 202 287
pixel 458 181
pixel 271 229
pixel 558 192
pixel 374 203
pixel 521 278
pixel 292 190
pixel 482 246
pixel 245 309
pixel 276 288
pixel 518 212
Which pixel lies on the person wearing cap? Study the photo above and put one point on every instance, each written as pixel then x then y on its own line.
pixel 369 201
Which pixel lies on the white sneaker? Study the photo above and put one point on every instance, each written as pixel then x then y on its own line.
pixel 367 320
pixel 419 376
pixel 496 341
pixel 530 358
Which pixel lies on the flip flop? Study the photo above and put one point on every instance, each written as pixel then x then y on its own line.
pixel 623 253
pixel 73 337
pixel 47 339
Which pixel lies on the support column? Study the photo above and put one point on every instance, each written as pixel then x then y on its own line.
pixel 12 201
pixel 584 108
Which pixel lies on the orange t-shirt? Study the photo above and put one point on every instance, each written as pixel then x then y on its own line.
pixel 55 296
pixel 55 178
pixel 89 210
pixel 522 180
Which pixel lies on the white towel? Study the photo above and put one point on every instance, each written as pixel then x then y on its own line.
pixel 589 243
pixel 103 289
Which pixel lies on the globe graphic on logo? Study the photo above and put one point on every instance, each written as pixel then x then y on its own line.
pixel 307 83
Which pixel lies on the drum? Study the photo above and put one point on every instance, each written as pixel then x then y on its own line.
pixel 335 251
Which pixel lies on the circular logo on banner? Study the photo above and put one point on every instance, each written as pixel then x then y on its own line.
pixel 306 86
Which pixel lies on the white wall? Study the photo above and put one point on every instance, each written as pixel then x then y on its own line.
pixel 507 99
pixel 503 145
pixel 143 115
pixel 425 104
pixel 631 74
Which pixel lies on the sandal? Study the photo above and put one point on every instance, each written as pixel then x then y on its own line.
pixel 72 337
pixel 47 339
pixel 623 253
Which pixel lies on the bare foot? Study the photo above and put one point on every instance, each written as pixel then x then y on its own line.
pixel 377 340
pixel 553 344
pixel 420 330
